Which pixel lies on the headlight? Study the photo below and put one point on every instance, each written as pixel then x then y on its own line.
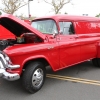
pixel 6 57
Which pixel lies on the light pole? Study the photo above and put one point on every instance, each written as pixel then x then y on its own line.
pixel 29 15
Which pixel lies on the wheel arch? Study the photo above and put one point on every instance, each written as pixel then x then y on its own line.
pixel 42 59
pixel 98 51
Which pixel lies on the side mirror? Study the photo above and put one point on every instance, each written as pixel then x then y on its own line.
pixel 61 32
pixel 53 36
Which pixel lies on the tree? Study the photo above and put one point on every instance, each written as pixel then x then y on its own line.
pixel 57 4
pixel 98 15
pixel 0 13
pixel 11 6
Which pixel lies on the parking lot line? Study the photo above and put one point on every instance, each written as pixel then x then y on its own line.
pixel 72 79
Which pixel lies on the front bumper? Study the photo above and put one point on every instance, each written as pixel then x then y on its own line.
pixel 6 75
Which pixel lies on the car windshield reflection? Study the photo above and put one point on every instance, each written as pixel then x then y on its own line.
pixel 45 26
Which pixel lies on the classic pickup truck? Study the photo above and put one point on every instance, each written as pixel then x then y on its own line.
pixel 59 41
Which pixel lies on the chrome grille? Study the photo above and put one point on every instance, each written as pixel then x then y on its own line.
pixel 3 62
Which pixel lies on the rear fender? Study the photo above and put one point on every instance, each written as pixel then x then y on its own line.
pixel 98 51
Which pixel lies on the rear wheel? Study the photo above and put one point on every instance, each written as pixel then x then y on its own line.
pixel 96 62
pixel 34 76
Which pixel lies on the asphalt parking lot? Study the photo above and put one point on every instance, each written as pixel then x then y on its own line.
pixel 79 82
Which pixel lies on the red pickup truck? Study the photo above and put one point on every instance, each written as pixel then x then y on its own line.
pixel 59 41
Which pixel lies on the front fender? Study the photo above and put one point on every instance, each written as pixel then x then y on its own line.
pixel 34 58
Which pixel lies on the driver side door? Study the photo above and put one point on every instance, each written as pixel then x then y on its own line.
pixel 69 44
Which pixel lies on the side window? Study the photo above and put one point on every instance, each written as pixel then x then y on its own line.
pixel 66 28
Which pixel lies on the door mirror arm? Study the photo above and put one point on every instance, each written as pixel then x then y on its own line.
pixel 54 35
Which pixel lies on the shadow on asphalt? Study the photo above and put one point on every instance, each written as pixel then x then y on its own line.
pixel 74 70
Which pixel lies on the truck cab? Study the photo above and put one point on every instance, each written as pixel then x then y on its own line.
pixel 77 36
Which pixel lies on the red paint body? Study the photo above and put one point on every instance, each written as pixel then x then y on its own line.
pixel 5 34
pixel 60 51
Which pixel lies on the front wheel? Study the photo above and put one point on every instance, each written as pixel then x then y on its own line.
pixel 34 76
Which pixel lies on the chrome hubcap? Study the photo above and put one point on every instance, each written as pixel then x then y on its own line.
pixel 37 77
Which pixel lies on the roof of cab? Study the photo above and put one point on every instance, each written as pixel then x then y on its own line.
pixel 70 17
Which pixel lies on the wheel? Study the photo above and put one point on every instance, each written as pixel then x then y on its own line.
pixel 34 76
pixel 96 62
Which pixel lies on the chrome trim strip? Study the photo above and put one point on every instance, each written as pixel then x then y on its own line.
pixel 13 66
pixel 1 65
pixel 3 58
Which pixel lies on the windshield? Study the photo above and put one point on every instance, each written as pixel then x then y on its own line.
pixel 45 26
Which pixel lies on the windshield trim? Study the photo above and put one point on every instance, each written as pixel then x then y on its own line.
pixel 44 19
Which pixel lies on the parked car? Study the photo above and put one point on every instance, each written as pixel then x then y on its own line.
pixel 6 34
pixel 59 41
pixel 27 21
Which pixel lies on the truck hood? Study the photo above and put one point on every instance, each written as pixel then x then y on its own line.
pixel 17 26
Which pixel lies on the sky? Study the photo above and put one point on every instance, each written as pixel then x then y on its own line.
pixel 79 7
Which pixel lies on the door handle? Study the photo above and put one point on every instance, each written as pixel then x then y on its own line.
pixel 76 37
pixel 50 47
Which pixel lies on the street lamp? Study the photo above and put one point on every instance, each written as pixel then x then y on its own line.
pixel 29 15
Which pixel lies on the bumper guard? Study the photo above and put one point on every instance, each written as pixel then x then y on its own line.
pixel 6 75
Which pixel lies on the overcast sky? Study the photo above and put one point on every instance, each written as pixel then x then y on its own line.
pixel 80 7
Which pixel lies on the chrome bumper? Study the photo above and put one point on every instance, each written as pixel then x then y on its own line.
pixel 6 75
pixel 9 76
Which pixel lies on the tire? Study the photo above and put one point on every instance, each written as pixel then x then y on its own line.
pixel 96 62
pixel 33 77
